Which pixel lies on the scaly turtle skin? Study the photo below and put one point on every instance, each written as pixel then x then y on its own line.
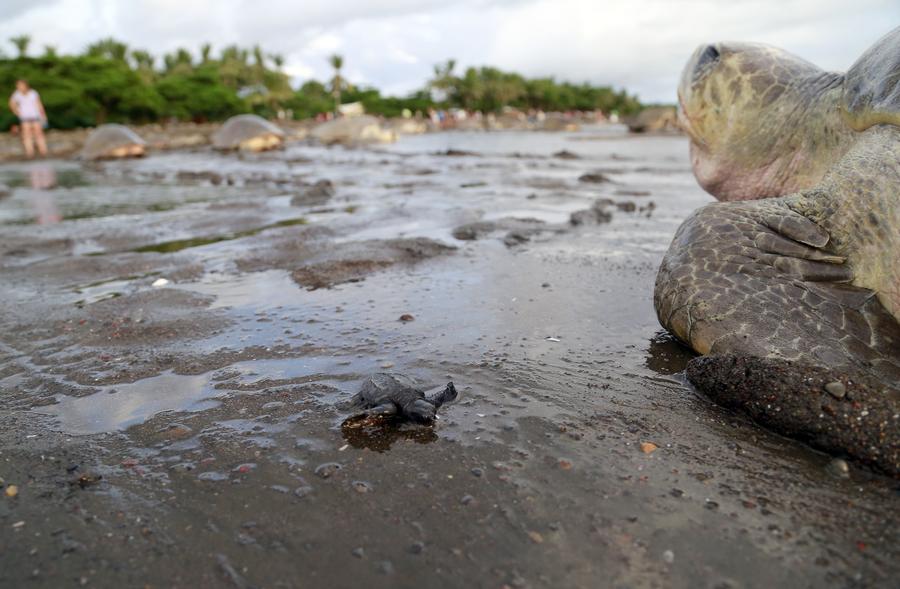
pixel 812 278
pixel 112 142
pixel 391 394
pixel 247 133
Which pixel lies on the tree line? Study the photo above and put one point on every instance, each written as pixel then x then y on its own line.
pixel 111 82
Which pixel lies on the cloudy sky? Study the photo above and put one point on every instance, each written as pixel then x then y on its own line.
pixel 393 44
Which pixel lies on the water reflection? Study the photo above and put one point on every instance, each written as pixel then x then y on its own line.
pixel 42 178
pixel 666 355
pixel 379 434
pixel 132 403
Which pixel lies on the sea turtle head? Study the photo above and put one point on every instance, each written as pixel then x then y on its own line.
pixel 762 122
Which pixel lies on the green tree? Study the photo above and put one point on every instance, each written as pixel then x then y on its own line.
pixel 198 95
pixel 444 81
pixel 108 48
pixel 143 63
pixel 338 84
pixel 205 52
pixel 21 42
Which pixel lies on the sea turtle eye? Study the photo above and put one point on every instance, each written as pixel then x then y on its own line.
pixel 710 54
pixel 707 58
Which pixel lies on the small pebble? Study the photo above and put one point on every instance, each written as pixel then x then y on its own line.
pixel 212 476
pixel 406 318
pixel 466 499
pixel 160 282
pixel 836 389
pixel 417 548
pixel 12 491
pixel 536 537
pixel 361 487
pixel 564 464
pixel 839 468
pixel 358 552
pixel 668 557
pixel 303 491
pixel 648 447
pixel 386 567
pixel 328 469
pixel 477 472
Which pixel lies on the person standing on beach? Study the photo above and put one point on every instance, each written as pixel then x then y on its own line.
pixel 26 104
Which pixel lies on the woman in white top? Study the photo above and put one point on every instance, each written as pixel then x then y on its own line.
pixel 26 104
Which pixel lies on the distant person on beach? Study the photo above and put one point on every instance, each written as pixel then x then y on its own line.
pixel 26 104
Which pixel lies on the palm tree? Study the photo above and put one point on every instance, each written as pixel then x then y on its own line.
pixel 337 82
pixel 444 81
pixel 205 51
pixel 108 48
pixel 182 55
pixel 142 59
pixel 21 42
pixel 144 64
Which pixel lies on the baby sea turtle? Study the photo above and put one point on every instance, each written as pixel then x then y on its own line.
pixel 392 394
pixel 111 142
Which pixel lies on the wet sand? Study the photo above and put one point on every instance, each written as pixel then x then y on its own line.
pixel 189 434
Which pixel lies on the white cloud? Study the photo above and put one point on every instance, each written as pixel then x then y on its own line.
pixel 393 44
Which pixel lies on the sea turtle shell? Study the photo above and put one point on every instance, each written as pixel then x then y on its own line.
pixel 249 133
pixel 112 141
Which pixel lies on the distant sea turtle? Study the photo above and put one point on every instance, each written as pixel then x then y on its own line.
pixel 112 141
pixel 352 131
pixel 247 133
pixel 391 394
pixel 803 283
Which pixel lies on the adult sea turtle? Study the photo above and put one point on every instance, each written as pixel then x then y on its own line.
pixel 353 130
pixel 247 133
pixel 112 141
pixel 794 299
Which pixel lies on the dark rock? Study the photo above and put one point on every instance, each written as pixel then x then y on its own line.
pixel 315 195
pixel 595 215
pixel 595 178
pixel 566 155
pixel 458 153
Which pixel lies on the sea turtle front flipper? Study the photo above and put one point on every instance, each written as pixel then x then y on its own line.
pixel 383 410
pixel 737 281
pixel 835 410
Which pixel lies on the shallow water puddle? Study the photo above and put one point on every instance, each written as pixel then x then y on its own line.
pixel 168 247
pixel 132 403
pixel 122 406
pixel 261 290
